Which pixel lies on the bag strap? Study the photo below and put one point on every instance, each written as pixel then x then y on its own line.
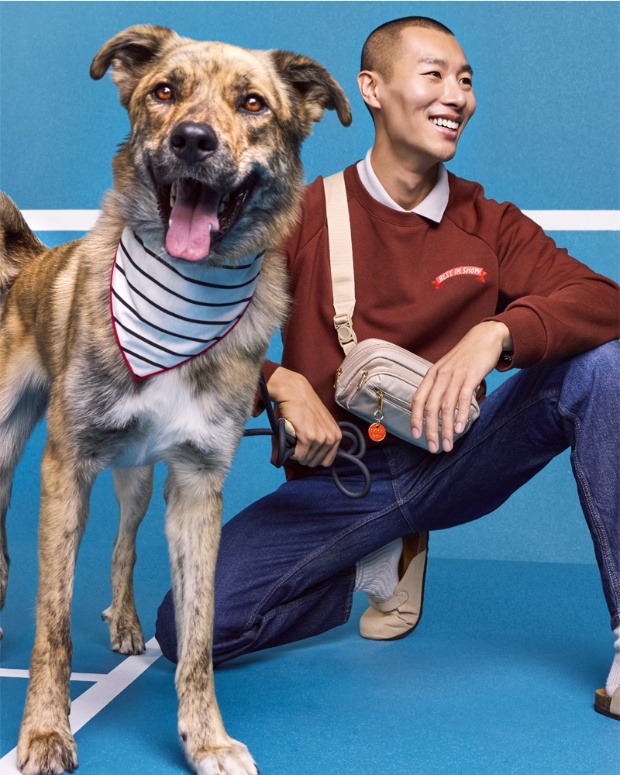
pixel 341 259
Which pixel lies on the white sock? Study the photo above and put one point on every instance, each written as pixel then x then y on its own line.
pixel 377 573
pixel 613 679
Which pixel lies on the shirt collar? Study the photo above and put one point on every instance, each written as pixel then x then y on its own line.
pixel 432 207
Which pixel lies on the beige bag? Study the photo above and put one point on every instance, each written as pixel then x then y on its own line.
pixel 377 379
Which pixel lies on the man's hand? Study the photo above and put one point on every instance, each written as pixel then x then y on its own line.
pixel 451 382
pixel 318 435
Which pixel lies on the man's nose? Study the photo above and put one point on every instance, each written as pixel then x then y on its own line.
pixel 453 93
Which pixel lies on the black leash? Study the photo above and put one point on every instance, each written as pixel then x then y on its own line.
pixel 286 445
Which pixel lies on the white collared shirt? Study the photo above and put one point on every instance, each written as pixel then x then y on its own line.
pixel 432 207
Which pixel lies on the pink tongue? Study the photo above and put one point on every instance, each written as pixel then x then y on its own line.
pixel 193 218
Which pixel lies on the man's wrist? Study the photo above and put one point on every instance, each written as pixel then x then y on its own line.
pixel 279 384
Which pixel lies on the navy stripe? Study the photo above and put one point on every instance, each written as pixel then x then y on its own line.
pixel 174 314
pixel 191 279
pixel 148 341
pixel 178 295
pixel 142 358
pixel 163 330
pixel 243 266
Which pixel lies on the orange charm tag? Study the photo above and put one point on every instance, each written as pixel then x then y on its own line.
pixel 377 431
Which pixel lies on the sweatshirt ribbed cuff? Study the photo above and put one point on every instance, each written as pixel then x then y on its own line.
pixel 529 337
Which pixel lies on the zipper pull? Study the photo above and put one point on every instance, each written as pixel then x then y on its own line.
pixel 377 431
pixel 338 375
pixel 363 379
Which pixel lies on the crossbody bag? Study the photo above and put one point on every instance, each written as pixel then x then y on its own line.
pixel 377 379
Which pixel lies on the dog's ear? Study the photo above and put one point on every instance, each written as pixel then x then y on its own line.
pixel 131 53
pixel 314 88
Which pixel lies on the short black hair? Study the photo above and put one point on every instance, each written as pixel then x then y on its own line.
pixel 381 46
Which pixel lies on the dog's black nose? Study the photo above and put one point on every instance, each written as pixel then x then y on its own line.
pixel 193 142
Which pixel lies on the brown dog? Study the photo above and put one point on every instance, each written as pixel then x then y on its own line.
pixel 208 178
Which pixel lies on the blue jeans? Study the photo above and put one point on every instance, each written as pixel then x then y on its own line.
pixel 286 567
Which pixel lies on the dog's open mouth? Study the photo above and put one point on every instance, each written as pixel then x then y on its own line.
pixel 197 215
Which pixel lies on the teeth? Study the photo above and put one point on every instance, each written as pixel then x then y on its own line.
pixel 173 194
pixel 224 201
pixel 445 123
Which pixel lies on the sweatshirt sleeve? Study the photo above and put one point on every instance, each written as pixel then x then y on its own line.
pixel 553 305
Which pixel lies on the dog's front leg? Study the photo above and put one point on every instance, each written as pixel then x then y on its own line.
pixel 133 488
pixel 193 521
pixel 46 746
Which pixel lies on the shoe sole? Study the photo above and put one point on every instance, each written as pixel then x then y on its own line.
pixel 602 704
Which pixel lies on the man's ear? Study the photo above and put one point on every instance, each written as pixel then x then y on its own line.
pixel 313 89
pixel 131 53
pixel 367 82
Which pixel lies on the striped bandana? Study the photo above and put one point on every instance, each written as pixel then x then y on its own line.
pixel 166 311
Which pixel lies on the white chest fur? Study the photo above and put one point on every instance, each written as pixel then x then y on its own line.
pixel 167 412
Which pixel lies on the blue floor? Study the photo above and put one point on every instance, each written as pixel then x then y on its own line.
pixel 498 678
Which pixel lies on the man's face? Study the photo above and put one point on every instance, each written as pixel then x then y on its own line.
pixel 429 98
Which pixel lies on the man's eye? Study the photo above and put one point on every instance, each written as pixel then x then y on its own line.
pixel 163 92
pixel 434 73
pixel 253 103
pixel 467 81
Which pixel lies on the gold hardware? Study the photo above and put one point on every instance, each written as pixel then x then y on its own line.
pixel 363 379
pixel 338 375
pixel 378 415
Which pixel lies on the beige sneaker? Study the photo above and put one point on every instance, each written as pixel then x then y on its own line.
pixel 400 614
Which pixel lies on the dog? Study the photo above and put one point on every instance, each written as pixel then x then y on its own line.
pixel 206 185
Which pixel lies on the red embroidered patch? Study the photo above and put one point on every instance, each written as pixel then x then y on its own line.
pixel 477 271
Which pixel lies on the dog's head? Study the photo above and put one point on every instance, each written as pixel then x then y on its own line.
pixel 211 165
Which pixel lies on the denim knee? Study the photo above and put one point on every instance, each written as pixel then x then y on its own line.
pixel 592 379
pixel 601 362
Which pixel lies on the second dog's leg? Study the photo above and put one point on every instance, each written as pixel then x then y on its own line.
pixel 46 745
pixel 193 521
pixel 133 488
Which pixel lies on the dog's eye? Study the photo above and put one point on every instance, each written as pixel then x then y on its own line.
pixel 163 92
pixel 253 103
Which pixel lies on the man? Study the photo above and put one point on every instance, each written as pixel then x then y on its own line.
pixel 289 564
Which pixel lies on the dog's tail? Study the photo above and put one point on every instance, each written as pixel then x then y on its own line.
pixel 18 245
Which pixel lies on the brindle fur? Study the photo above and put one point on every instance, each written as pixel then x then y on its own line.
pixel 59 351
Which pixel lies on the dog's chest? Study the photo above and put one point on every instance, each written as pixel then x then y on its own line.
pixel 167 413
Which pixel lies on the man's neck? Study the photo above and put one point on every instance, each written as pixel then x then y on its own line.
pixel 407 184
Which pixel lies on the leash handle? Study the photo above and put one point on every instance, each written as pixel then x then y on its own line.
pixel 286 441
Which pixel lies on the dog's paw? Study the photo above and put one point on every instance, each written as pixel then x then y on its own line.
pixel 46 752
pixel 233 759
pixel 126 636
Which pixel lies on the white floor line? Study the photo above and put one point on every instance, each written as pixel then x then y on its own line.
pixel 550 220
pixel 95 698
pixel 9 672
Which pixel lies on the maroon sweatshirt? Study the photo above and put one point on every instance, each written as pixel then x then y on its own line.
pixel 423 285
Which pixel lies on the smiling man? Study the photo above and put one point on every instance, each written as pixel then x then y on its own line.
pixel 467 283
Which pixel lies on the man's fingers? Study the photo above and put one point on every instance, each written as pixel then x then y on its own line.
pixel 462 416
pixel 418 405
pixel 319 448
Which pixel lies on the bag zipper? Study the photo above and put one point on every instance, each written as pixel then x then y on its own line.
pixel 398 402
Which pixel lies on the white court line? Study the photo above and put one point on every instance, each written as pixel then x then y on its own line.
pixel 61 220
pixel 96 697
pixel 550 220
pixel 8 672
